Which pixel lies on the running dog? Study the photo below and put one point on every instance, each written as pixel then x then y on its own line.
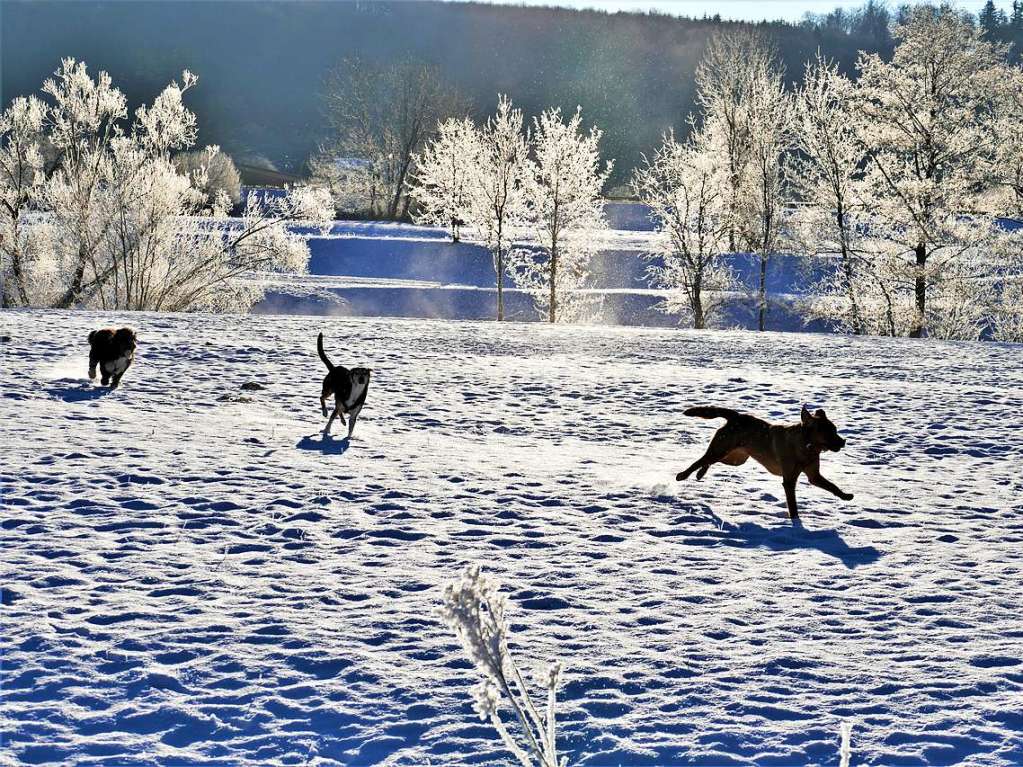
pixel 785 451
pixel 113 350
pixel 347 386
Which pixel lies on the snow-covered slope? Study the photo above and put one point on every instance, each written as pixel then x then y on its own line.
pixel 382 269
pixel 192 574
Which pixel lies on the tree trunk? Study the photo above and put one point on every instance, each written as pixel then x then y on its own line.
pixel 857 321
pixel 699 321
pixel 554 277
pixel 500 268
pixel 890 311
pixel 920 288
pixel 73 292
pixel 762 293
pixel 19 282
pixel 396 201
pixel 500 284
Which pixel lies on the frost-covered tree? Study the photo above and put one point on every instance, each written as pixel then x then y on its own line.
pixel 566 214
pixel 83 120
pixel 725 80
pixel 444 174
pixel 930 140
pixel 171 252
pixel 684 187
pixel 825 174
pixel 874 272
pixel 746 115
pixel 500 181
pixel 353 184
pixel 382 115
pixel 219 170
pixel 1007 198
pixel 762 197
pixel 1006 285
pixel 22 247
pixel 122 227
pixel 474 608
pixel 1007 316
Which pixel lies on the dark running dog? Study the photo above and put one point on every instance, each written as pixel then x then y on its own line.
pixel 786 451
pixel 113 350
pixel 348 388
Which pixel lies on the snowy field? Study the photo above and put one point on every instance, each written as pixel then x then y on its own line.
pixel 193 575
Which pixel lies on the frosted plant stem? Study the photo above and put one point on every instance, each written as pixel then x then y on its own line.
pixel 533 713
pixel 845 750
pixel 523 719
pixel 509 742
pixel 551 699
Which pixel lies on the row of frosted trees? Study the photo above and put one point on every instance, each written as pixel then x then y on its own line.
pixel 899 181
pixel 102 209
pixel 896 181
pixel 507 184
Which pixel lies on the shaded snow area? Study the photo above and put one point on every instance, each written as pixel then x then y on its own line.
pixel 193 575
pixel 379 269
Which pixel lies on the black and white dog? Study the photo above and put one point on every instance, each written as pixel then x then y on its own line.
pixel 113 351
pixel 348 388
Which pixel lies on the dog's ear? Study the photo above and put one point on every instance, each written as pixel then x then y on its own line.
pixel 820 414
pixel 805 416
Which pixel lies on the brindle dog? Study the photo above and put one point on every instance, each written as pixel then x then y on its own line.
pixel 113 350
pixel 785 451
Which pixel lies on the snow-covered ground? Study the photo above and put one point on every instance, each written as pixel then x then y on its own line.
pixel 193 575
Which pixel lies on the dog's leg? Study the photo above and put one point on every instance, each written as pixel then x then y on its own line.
pixel 720 446
pixel 814 475
pixel 116 380
pixel 708 459
pixel 692 467
pixel 323 406
pixel 331 421
pixel 789 484
pixel 93 361
pixel 352 415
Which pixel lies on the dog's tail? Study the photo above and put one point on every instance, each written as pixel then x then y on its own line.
pixel 323 354
pixel 712 412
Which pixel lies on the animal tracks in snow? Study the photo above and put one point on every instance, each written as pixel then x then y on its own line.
pixel 196 580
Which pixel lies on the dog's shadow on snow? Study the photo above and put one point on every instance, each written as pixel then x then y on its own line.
pixel 794 536
pixel 76 390
pixel 324 443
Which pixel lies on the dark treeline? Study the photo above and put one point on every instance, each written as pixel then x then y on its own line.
pixel 262 64
pixel 1004 27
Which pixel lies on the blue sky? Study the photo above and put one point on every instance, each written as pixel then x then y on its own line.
pixel 749 10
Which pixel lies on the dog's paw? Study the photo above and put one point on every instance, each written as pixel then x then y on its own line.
pixel 680 476
pixel 847 497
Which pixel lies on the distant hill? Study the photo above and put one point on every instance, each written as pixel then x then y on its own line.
pixel 261 64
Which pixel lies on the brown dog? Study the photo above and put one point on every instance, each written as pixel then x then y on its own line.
pixel 786 451
pixel 113 350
